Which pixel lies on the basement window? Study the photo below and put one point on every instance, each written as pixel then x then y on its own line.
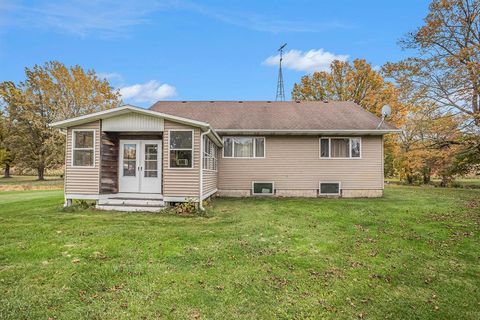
pixel 329 188
pixel 263 188
pixel 83 152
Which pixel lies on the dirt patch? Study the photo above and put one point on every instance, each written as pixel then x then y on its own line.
pixel 28 187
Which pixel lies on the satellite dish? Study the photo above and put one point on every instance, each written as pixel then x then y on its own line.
pixel 386 110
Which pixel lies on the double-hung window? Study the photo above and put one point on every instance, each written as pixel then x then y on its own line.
pixel 209 154
pixel 244 147
pixel 342 148
pixel 180 146
pixel 83 148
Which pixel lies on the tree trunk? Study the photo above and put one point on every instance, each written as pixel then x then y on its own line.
pixel 426 175
pixel 409 179
pixel 41 173
pixel 6 173
pixel 444 182
pixel 426 178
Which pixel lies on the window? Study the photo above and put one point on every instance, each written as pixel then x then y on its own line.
pixel 83 152
pixel 244 147
pixel 340 147
pixel 181 148
pixel 209 154
pixel 330 188
pixel 263 188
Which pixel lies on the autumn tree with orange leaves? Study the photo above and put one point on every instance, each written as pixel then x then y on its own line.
pixel 445 75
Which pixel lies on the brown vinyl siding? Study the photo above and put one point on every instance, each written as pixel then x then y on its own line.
pixel 181 182
pixel 293 163
pixel 82 180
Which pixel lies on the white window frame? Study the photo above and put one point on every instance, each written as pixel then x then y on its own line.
pixel 263 194
pixel 329 194
pixel 254 147
pixel 192 149
pixel 330 148
pixel 207 155
pixel 73 147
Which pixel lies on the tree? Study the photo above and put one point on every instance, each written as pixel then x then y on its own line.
pixel 51 92
pixel 358 82
pixel 447 68
pixel 6 155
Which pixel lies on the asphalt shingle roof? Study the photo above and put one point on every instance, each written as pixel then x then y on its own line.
pixel 274 115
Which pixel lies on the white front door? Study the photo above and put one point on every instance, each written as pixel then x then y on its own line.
pixel 140 166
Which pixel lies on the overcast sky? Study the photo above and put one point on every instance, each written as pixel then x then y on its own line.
pixel 208 50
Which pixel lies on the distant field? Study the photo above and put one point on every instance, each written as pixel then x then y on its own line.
pixel 30 183
pixel 458 183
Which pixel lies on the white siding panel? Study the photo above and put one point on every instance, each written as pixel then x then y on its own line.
pixel 133 122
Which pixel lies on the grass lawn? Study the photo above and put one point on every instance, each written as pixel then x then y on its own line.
pixel 30 183
pixel 414 254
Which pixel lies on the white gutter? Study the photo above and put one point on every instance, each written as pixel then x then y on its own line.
pixel 200 202
pixel 309 131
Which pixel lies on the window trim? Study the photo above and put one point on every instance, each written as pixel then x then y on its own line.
pixel 330 148
pixel 263 194
pixel 192 149
pixel 329 194
pixel 73 148
pixel 254 147
pixel 214 157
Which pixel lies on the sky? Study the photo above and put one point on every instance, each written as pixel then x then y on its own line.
pixel 201 50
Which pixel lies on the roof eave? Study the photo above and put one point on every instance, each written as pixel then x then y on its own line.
pixel 122 110
pixel 352 132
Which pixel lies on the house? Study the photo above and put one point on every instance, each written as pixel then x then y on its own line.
pixel 130 158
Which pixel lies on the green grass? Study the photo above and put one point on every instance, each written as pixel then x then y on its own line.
pixel 413 254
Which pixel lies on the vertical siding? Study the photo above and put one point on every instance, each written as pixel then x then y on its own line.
pixel 180 182
pixel 293 163
pixel 82 180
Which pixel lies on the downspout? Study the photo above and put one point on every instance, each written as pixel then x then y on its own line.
pixel 200 202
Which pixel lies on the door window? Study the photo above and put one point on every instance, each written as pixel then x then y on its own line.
pixel 129 160
pixel 151 160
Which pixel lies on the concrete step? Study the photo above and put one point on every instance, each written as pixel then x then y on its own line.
pixel 134 202
pixel 130 208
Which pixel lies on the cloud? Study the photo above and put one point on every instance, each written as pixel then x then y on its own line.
pixel 312 60
pixel 260 22
pixel 115 18
pixel 104 18
pixel 110 76
pixel 150 92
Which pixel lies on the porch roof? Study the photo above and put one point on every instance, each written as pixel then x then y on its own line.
pixel 105 114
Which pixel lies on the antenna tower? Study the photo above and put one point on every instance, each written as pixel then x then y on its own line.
pixel 280 87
